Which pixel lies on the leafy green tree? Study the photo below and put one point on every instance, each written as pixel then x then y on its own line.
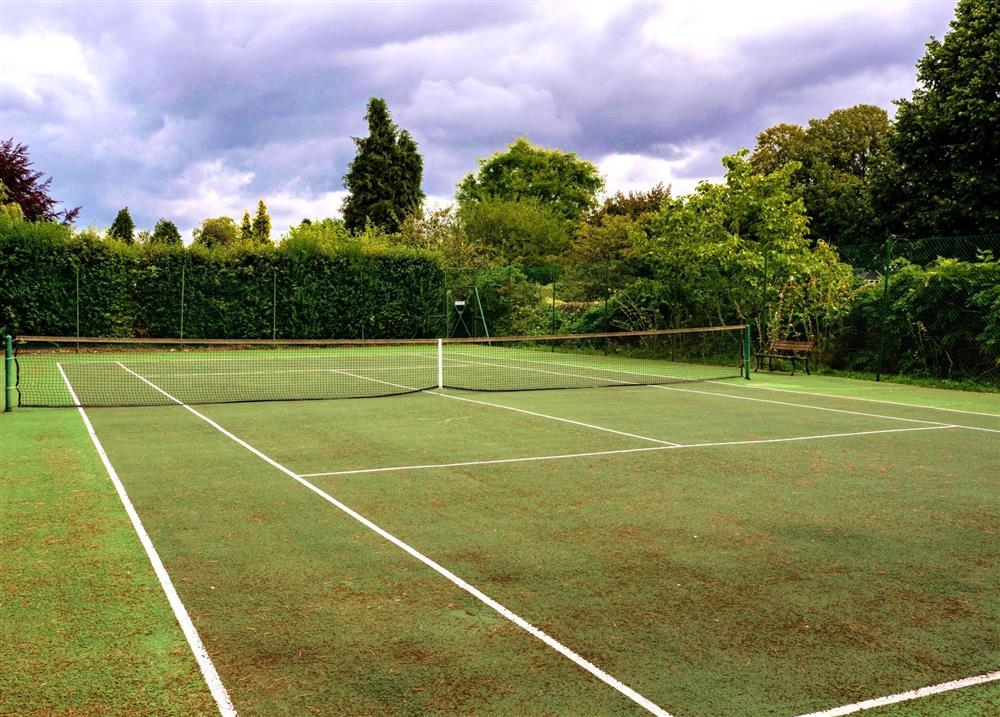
pixel 441 232
pixel 560 180
pixel 261 229
pixel 838 156
pixel 946 141
pixel 11 210
pixel 123 228
pixel 385 175
pixel 216 233
pixel 518 231
pixel 246 228
pixel 165 232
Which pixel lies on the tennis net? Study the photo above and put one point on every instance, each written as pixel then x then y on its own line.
pixel 59 371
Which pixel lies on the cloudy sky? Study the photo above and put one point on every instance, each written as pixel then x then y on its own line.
pixel 188 110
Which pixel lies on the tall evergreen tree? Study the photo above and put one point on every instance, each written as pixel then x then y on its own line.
pixel 165 232
pixel 261 230
pixel 123 228
pixel 946 143
pixel 385 175
pixel 246 229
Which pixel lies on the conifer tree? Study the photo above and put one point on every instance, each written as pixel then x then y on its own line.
pixel 261 230
pixel 123 228
pixel 246 230
pixel 384 177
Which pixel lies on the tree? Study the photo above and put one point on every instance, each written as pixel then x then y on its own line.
pixel 519 231
pixel 837 157
pixel 165 232
pixel 217 232
pixel 123 228
pixel 246 228
pixel 261 229
pixel 632 205
pixel 11 210
pixel 560 180
pixel 385 175
pixel 946 143
pixel 25 189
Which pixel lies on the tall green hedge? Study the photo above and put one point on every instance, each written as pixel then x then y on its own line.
pixel 345 292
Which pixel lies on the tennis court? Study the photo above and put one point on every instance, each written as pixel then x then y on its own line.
pixel 668 539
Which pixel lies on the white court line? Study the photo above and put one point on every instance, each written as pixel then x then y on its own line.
pixel 746 398
pixel 564 456
pixel 741 385
pixel 511 408
pixel 208 671
pixel 905 696
pixel 438 568
pixel 858 398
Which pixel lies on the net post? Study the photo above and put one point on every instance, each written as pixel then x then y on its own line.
pixel 9 399
pixel 440 363
pixel 746 352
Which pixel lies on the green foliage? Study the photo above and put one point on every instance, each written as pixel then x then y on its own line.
pixel 122 228
pixel 556 179
pixel 261 229
pixel 521 231
pixel 946 144
pixel 385 175
pixel 165 233
pixel 441 232
pixel 246 229
pixel 331 289
pixel 943 321
pixel 837 157
pixel 217 233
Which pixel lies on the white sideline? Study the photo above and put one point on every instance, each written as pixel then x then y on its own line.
pixel 441 570
pixel 859 398
pixel 509 408
pixel 563 456
pixel 745 398
pixel 208 671
pixel 906 696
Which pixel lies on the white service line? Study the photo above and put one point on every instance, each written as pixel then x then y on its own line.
pixel 441 570
pixel 564 456
pixel 511 408
pixel 208 671
pixel 905 696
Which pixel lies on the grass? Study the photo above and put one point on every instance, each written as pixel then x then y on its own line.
pixel 85 629
pixel 755 579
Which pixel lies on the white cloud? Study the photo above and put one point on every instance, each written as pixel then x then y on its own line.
pixel 638 172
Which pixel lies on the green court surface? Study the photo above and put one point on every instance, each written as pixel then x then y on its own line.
pixel 780 546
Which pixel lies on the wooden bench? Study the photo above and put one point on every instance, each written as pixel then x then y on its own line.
pixel 791 350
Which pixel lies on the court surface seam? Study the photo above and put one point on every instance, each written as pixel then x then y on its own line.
pixel 208 671
pixel 563 456
pixel 440 569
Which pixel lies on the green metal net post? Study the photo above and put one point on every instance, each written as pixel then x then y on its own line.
pixel 10 392
pixel 886 265
pixel 746 352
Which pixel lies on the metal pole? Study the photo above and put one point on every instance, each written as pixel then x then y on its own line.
pixel 607 293
pixel 885 306
pixel 553 329
pixel 77 304
pixel 10 380
pixel 274 304
pixel 183 267
pixel 746 352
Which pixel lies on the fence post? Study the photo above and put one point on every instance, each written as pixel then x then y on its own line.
pixel 183 271
pixel 746 352
pixel 885 306
pixel 552 275
pixel 10 380
pixel 607 292
pixel 762 319
pixel 77 271
pixel 274 303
